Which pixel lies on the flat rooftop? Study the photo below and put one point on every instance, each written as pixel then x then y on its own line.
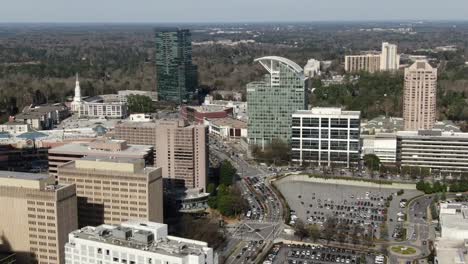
pixel 328 111
pixel 151 237
pixel 23 175
pixel 435 134
pixel 228 121
pixel 209 108
pixel 84 148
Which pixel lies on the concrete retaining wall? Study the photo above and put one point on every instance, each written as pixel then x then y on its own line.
pixel 350 182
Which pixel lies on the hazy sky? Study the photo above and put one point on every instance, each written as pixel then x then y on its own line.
pixel 228 10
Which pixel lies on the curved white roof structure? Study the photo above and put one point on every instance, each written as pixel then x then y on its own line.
pixel 294 66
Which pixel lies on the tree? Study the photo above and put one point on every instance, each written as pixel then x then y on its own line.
pixel 329 228
pixel 314 232
pixel 211 188
pixel 226 173
pixel 140 104
pixel 372 162
pixel 300 229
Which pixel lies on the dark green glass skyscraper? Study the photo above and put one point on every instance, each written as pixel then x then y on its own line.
pixel 176 76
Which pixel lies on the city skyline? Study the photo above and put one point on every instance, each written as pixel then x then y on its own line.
pixel 240 11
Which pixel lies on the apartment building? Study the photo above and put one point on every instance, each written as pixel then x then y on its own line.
pixel 113 190
pixel 389 59
pixel 36 216
pixel 326 136
pixel 98 148
pixel 419 96
pixel 134 242
pixel 180 149
pixel 434 149
pixel 366 62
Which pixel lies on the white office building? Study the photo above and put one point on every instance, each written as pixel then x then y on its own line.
pixel 312 68
pixel 434 149
pixel 383 145
pixel 389 59
pixel 326 136
pixel 452 245
pixel 134 242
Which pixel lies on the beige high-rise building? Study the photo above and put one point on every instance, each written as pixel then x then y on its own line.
pixel 419 96
pixel 36 216
pixel 113 190
pixel 367 62
pixel 389 59
pixel 181 149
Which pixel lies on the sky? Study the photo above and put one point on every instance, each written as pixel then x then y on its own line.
pixel 177 11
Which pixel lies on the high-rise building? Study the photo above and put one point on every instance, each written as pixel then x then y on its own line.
pixel 134 242
pixel 176 76
pixel 419 96
pixel 312 68
pixel 181 149
pixel 326 136
pixel 98 148
pixel 36 216
pixel 271 102
pixel 389 59
pixel 367 62
pixel 112 190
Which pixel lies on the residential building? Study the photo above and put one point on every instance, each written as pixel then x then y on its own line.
pixel 434 149
pixel 124 94
pixel 383 145
pixel 271 102
pixel 389 59
pixel 326 136
pixel 36 216
pixel 98 148
pixel 113 190
pixel 227 128
pixel 134 242
pixel 419 96
pixel 43 117
pixel 181 149
pixel 176 76
pixel 366 62
pixel 198 114
pixel 13 127
pixel 98 106
pixel 312 68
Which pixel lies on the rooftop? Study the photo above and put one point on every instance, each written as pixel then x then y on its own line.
pixel 23 175
pixel 327 111
pixel 86 148
pixel 435 133
pixel 144 236
pixel 228 121
pixel 209 108
pixel 115 164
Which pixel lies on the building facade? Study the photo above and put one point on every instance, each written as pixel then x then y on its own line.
pixel 389 59
pixel 326 136
pixel 367 62
pixel 272 102
pixel 419 96
pixel 312 68
pixel 433 149
pixel 181 149
pixel 383 145
pixel 98 148
pixel 114 190
pixel 176 76
pixel 134 242
pixel 36 217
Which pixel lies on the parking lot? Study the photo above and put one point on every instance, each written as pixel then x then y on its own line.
pixel 351 205
pixel 318 254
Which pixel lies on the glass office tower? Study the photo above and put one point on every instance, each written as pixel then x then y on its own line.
pixel 272 102
pixel 176 76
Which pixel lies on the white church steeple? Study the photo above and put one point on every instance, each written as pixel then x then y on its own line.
pixel 77 97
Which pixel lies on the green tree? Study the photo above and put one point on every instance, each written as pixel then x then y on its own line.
pixel 227 173
pixel 140 104
pixel 372 162
pixel 301 229
pixel 314 232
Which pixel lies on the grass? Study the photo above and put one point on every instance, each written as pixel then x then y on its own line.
pixel 404 250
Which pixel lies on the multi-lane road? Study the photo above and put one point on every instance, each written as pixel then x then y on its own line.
pixel 263 222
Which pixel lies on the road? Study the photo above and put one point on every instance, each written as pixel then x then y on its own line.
pixel 264 223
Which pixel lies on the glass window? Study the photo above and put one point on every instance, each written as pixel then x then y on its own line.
pixel 296 121
pixel 296 132
pixel 310 122
pixel 310 133
pixel 324 145
pixel 324 122
pixel 354 123
pixel 354 134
